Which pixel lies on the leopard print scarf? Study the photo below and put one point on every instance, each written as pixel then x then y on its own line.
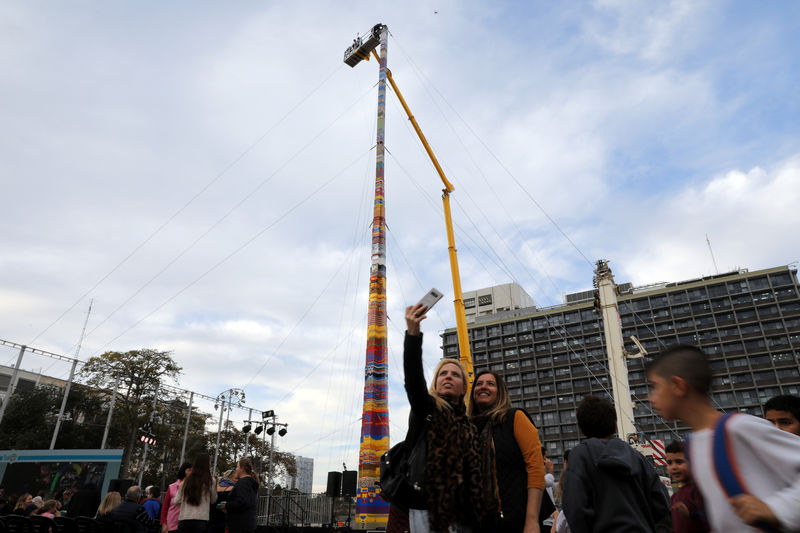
pixel 453 477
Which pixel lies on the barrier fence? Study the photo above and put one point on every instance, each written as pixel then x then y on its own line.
pixel 290 509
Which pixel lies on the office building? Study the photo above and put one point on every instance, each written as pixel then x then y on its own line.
pixel 492 300
pixel 304 479
pixel 747 322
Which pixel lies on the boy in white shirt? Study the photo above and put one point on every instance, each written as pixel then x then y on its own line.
pixel 764 459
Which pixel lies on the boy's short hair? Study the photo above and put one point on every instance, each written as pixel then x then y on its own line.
pixel 785 402
pixel 596 417
pixel 675 446
pixel 685 361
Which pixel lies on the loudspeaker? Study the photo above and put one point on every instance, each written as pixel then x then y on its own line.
pixel 121 486
pixel 349 482
pixel 334 484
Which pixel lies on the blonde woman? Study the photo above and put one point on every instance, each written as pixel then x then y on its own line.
pixel 111 500
pixel 451 489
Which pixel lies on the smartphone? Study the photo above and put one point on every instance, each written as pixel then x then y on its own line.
pixel 430 299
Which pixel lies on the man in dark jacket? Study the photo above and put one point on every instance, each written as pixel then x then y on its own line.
pixel 609 486
pixel 130 512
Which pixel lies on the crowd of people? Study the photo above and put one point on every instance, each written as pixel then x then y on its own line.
pixel 195 502
pixel 481 466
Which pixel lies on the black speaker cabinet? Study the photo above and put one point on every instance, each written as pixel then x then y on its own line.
pixel 334 484
pixel 349 478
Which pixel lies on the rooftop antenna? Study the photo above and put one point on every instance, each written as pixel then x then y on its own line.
pixel 708 241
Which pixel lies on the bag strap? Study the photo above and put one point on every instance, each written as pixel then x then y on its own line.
pixel 726 468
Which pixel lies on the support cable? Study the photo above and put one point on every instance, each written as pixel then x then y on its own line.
pixel 237 250
pixel 188 203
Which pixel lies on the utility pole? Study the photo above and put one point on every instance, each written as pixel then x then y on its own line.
pixel 110 412
pixel 230 396
pixel 186 429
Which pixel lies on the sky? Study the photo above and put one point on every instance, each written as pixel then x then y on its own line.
pixel 203 173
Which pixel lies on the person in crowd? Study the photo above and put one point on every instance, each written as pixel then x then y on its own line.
pixel 49 509
pixel 560 524
pixel 66 497
pixel 609 486
pixel 548 508
pixel 242 504
pixel 784 412
pixel 110 502
pixel 170 510
pixel 131 512
pixel 151 503
pixel 454 493
pixel 766 457
pixel 512 451
pixel 22 502
pixel 195 495
pixel 84 502
pixel 688 510
pixel 218 517
pixel 5 505
pixel 33 507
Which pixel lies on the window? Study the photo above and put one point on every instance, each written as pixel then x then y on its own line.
pixel 738 362
pixel 527 376
pixel 511 365
pixel 493 331
pixel 486 299
pixel 524 326
pixel 717 290
pixel 736 287
pixel 747 396
pixel 510 352
pixel 697 294
pixel 545 374
pixel 530 389
pixel 564 386
pixel 784 373
pixel 509 328
pixel 789 307
pixel 758 283
pixel 780 279
pixel 751 329
pixel 767 375
pixel 700 307
pixel 742 299
pixel 549 418
pixel 469 303
pixel 512 378
pixel 720 303
pixel 678 298
pixel 567 416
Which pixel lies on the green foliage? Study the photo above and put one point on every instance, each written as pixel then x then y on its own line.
pixel 139 373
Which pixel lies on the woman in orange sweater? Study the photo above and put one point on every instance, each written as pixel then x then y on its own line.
pixel 512 451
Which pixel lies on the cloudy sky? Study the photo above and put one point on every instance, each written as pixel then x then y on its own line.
pixel 204 170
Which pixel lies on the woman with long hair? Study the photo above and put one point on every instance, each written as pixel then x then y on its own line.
pixel 22 502
pixel 195 495
pixel 242 504
pixel 451 486
pixel 511 453
pixel 111 500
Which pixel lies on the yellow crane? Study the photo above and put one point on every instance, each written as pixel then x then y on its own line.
pixel 465 355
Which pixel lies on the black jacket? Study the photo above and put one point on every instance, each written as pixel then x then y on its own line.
pixel 610 487
pixel 135 516
pixel 242 506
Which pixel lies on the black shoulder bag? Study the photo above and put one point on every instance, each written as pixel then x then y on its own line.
pixel 403 473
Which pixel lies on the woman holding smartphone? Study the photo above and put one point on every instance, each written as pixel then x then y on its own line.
pixel 452 490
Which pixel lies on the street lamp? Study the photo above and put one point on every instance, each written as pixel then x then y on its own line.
pixel 232 397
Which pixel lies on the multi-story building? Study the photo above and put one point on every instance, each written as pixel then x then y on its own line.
pixel 304 479
pixel 492 300
pixel 747 322
pixel 25 380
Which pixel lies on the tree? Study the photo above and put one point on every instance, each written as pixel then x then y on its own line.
pixel 31 417
pixel 139 373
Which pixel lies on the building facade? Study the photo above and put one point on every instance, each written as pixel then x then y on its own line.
pixel 747 322
pixel 304 480
pixel 492 300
